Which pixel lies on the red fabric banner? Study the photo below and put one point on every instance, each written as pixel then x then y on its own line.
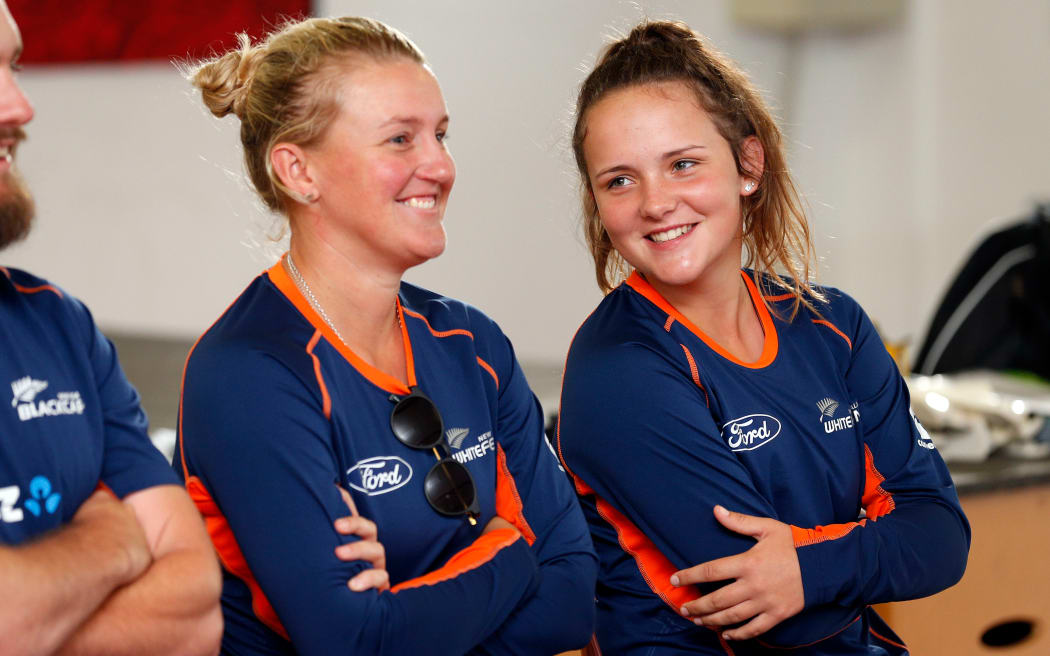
pixel 56 31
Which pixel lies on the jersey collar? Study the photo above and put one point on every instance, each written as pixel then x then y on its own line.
pixel 769 349
pixel 284 283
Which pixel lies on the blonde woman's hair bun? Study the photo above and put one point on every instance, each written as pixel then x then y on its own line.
pixel 224 81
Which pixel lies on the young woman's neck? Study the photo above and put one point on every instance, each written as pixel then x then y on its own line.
pixel 719 303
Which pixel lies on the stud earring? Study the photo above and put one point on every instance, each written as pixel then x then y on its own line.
pixel 304 198
pixel 749 186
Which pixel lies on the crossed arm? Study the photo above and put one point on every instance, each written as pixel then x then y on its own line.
pixel 129 577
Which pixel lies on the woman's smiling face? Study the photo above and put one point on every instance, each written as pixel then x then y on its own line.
pixel 665 183
pixel 382 170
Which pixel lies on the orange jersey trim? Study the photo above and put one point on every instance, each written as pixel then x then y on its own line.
pixel 838 332
pixel 487 367
pixel 230 552
pixel 280 278
pixel 508 501
pixel 877 503
pixel 477 554
pixel 769 347
pixel 653 565
pixel 327 400
pixel 449 333
pixel 885 639
pixel 439 333
pixel 31 290
pixel 668 324
pixel 695 373
pixel 779 297
pixel 810 644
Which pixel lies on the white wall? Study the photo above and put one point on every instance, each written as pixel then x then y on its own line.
pixel 906 141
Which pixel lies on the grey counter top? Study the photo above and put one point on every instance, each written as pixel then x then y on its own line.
pixel 999 474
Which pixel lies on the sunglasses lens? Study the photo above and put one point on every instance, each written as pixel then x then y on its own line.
pixel 416 422
pixel 449 488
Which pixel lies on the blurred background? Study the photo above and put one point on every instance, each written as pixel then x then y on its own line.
pixel 915 128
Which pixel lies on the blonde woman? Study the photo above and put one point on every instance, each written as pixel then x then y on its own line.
pixel 330 375
pixel 732 432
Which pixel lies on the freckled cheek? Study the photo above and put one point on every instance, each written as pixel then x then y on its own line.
pixel 618 215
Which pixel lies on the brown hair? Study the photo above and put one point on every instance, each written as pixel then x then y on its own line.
pixel 776 232
pixel 283 89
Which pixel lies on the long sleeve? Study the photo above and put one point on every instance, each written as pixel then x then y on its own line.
pixel 914 539
pixel 534 492
pixel 264 475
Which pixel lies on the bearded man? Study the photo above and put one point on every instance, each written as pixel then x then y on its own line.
pixel 101 550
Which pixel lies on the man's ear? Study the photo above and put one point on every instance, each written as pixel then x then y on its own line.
pixel 289 165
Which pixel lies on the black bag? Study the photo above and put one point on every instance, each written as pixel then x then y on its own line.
pixel 996 314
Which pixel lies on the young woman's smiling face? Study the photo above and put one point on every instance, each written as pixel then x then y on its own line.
pixel 666 184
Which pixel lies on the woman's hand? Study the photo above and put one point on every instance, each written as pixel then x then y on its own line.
pixel 768 582
pixel 498 522
pixel 368 548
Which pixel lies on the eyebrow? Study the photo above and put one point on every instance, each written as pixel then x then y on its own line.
pixel 411 120
pixel 669 154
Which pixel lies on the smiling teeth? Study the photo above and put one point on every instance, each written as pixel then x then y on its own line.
pixel 420 203
pixel 670 234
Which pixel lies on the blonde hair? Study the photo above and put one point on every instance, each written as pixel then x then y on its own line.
pixel 776 232
pixel 284 89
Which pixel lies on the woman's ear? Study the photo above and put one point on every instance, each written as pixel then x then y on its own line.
pixel 289 165
pixel 753 161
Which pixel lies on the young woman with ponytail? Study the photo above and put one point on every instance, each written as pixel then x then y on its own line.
pixel 740 440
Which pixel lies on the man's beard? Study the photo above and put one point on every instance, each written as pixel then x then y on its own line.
pixel 16 208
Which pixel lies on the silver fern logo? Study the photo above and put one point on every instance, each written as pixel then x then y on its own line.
pixel 456 436
pixel 827 407
pixel 25 389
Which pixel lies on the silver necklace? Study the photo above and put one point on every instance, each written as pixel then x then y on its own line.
pixel 300 282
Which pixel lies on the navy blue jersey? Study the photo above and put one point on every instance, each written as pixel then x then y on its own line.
pixel 277 411
pixel 73 421
pixel 659 424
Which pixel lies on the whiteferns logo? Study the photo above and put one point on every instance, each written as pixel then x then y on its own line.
pixel 925 441
pixel 484 445
pixel 379 475
pixel 750 431
pixel 832 424
pixel 827 407
pixel 25 391
pixel 456 436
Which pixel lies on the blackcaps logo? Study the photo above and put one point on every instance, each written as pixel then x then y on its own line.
pixel 25 391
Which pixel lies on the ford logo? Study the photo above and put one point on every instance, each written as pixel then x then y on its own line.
pixel 750 431
pixel 379 475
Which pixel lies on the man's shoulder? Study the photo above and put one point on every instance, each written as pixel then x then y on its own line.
pixel 40 303
pixel 19 281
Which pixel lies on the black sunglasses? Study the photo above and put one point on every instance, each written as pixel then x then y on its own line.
pixel 448 486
